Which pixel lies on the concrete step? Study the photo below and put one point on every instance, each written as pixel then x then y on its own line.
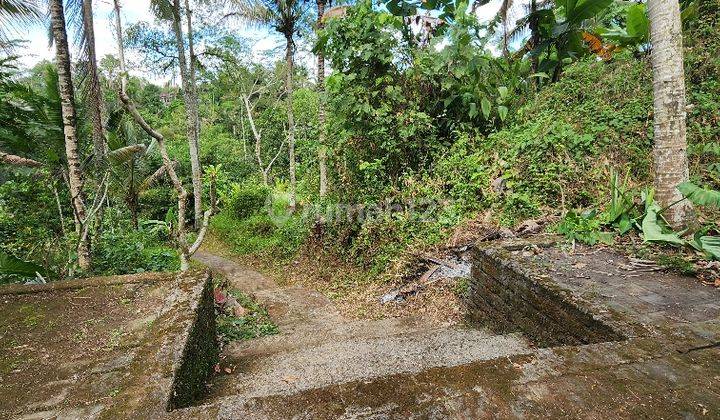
pixel 263 370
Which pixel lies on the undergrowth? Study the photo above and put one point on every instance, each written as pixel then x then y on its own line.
pixel 252 321
pixel 556 156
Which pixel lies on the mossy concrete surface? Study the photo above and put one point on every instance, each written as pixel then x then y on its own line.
pixel 565 333
pixel 593 294
pixel 611 340
pixel 110 347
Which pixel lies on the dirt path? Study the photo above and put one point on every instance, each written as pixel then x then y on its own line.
pixel 323 365
pixel 246 280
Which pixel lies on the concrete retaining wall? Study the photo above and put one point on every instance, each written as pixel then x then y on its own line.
pixel 199 355
pixel 506 297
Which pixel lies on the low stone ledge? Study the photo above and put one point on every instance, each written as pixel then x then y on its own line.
pixel 199 354
pixel 174 363
pixel 130 346
pixel 74 284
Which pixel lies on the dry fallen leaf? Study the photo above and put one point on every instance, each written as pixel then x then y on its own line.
pixel 228 370
pixel 239 311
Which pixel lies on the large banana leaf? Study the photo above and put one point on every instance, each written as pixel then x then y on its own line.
pixel 653 230
pixel 698 195
pixel 711 245
pixel 585 9
pixel 10 264
pixel 637 22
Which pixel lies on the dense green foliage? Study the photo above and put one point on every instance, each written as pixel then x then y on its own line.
pixel 426 131
pixel 245 200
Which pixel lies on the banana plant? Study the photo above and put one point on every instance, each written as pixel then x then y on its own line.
pixel 656 230
pixel 15 267
pixel 131 162
pixel 636 30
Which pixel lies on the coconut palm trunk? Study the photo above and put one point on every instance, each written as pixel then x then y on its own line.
pixel 322 150
pixel 670 149
pixel 15 160
pixel 94 92
pixel 289 62
pixel 190 112
pixel 193 74
pixel 67 98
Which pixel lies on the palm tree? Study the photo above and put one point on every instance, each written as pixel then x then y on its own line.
pixel 186 250
pixel 670 149
pixel 67 96
pixel 171 10
pixel 322 152
pixel 529 22
pixel 285 17
pixel 95 98
pixel 15 15
pixel 191 99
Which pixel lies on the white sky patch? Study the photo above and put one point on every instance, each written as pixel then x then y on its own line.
pixel 265 41
pixel 488 11
pixel 37 48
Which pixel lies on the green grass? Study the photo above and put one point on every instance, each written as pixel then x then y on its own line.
pixel 260 234
pixel 255 323
pixel 678 264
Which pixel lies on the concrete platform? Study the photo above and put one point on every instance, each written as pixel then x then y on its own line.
pixel 587 336
pixel 556 334
pixel 109 347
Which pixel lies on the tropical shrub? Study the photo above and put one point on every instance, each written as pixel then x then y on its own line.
pixel 129 251
pixel 245 200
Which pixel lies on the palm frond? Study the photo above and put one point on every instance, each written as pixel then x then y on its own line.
pixel 16 15
pixel 162 9
pixel 154 177
pixel 252 12
pixel 125 154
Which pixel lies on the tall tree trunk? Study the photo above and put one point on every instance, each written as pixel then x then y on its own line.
pixel 95 100
pixel 190 113
pixel 258 139
pixel 534 41
pixel 322 149
pixel 185 249
pixel 670 149
pixel 289 51
pixel 94 92
pixel 67 99
pixel 193 72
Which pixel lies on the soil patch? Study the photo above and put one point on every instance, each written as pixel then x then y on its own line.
pixel 67 348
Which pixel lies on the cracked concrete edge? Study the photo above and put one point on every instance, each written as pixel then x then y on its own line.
pixel 178 355
pixel 75 284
